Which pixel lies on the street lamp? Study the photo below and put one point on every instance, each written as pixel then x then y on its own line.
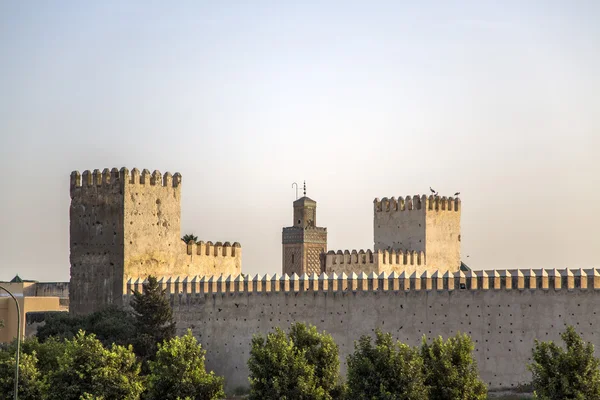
pixel 18 342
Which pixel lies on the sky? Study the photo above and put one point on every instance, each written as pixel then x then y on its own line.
pixel 497 100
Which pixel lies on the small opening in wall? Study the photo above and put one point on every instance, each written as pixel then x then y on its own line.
pixel 292 258
pixel 299 221
pixel 463 286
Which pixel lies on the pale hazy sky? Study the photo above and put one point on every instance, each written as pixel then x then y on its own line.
pixel 498 100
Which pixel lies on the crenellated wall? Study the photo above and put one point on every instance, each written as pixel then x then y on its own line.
pixel 502 310
pixel 377 262
pixel 422 224
pixel 126 224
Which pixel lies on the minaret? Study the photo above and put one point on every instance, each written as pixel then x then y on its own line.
pixel 304 242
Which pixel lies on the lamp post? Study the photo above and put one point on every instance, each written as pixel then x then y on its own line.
pixel 18 342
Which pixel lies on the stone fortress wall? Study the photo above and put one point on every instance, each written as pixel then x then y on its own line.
pixel 502 310
pixel 127 224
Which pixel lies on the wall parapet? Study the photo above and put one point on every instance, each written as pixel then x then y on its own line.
pixel 378 257
pixel 217 249
pixel 417 202
pixel 506 279
pixel 115 176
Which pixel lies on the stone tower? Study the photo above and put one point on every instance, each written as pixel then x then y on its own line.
pixel 422 224
pixel 304 242
pixel 127 226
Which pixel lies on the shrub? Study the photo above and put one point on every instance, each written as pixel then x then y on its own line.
pixel 450 369
pixel 179 372
pixel 32 385
pixel 282 369
pixel 571 373
pixel 385 370
pixel 86 368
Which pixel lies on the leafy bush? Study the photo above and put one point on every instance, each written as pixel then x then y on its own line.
pixel 179 372
pixel 47 353
pixel 282 369
pixel 32 385
pixel 61 325
pixel 86 368
pixel 450 369
pixel 110 325
pixel 320 351
pixel 571 373
pixel 385 370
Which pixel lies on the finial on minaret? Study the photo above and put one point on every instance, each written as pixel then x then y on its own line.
pixel 304 188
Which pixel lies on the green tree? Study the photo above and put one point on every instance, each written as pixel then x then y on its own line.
pixel 32 385
pixel 110 325
pixel 385 370
pixel 279 370
pixel 179 372
pixel 571 373
pixel 320 351
pixel 60 325
pixel 88 369
pixel 46 353
pixel 450 369
pixel 153 319
pixel 189 238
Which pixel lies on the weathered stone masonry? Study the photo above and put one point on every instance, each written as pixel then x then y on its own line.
pixel 502 310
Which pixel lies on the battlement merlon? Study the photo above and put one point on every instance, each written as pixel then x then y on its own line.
pixel 379 257
pixel 218 249
pixel 417 202
pixel 507 279
pixel 121 177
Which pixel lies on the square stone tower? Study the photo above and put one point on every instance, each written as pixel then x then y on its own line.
pixel 428 224
pixel 127 226
pixel 304 242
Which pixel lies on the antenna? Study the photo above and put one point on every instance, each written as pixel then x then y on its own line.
pixel 296 189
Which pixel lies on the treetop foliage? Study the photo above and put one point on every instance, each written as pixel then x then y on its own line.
pixel 179 372
pixel 385 370
pixel 110 325
pixel 86 368
pixel 281 368
pixel 320 351
pixel 569 373
pixel 450 369
pixel 32 386
pixel 187 238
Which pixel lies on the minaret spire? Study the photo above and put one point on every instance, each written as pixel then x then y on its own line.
pixel 304 188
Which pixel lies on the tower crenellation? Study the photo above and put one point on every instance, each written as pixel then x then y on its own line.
pixel 106 177
pixel 417 202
